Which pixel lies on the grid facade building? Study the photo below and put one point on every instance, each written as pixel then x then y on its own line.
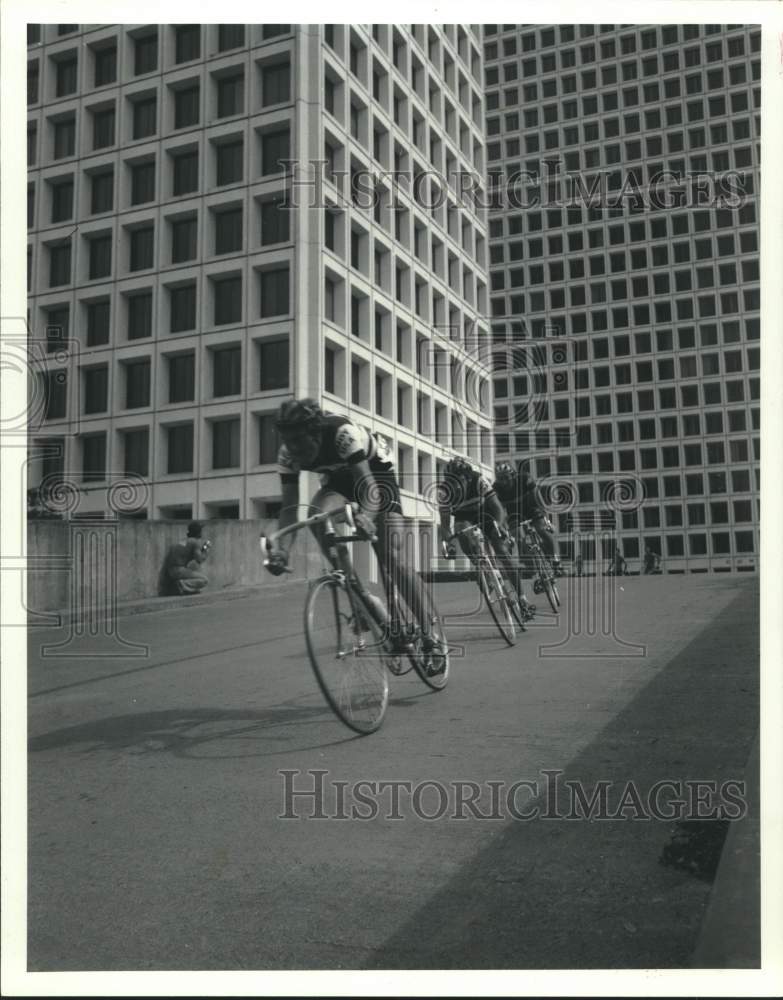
pixel 629 291
pixel 213 227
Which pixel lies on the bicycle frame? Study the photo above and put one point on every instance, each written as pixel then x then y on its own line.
pixel 342 568
pixel 485 562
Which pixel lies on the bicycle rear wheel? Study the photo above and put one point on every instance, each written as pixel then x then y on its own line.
pixel 429 652
pixel 491 586
pixel 514 600
pixel 349 663
pixel 546 575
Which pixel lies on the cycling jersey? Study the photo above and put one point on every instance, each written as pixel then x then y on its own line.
pixel 343 444
pixel 467 493
pixel 520 499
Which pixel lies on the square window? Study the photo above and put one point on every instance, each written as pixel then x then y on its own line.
pixel 143 182
pixel 64 138
pixel 276 83
pixel 145 117
pixel 183 308
pixel 137 384
pixel 145 54
pixel 230 95
pixel 230 36
pixel 180 449
pixel 96 389
pixel 229 156
pixel 182 378
pixel 102 192
pixel 185 173
pixel 140 316
pixel 275 292
pixel 103 128
pixel 62 200
pixel 136 447
pixel 98 318
pixel 60 264
pixel 228 300
pixel 105 66
pixel 227 371
pixel 275 151
pixel 93 458
pixel 184 240
pixel 187 104
pixel 142 246
pixel 187 42
pixel 274 221
pixel 228 231
pixel 274 364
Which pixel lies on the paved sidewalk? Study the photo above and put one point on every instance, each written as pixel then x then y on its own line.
pixel 155 787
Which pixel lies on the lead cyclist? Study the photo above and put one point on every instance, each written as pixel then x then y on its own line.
pixel 356 466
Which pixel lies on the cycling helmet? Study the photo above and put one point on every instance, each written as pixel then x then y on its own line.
pixel 458 466
pixel 505 473
pixel 296 414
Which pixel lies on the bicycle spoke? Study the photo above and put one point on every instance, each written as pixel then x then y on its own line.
pixel 350 668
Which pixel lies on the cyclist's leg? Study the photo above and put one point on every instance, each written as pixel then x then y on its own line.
pixel 394 557
pixel 547 538
pixel 518 534
pixel 466 542
pixel 325 499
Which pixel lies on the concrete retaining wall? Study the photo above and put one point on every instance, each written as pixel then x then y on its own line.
pixel 74 563
pixel 78 564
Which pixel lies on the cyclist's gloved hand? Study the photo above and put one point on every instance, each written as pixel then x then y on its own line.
pixel 365 526
pixel 277 562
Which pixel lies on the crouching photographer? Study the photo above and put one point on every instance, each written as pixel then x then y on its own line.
pixel 183 564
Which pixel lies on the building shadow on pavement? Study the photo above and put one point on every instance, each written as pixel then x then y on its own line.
pixel 578 894
pixel 196 732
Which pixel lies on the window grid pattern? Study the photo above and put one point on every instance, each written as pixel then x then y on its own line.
pixel 223 159
pixel 639 329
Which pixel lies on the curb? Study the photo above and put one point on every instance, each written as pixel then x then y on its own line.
pixel 730 935
pixel 147 605
pixel 150 605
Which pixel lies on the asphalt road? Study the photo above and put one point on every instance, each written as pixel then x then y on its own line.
pixel 155 788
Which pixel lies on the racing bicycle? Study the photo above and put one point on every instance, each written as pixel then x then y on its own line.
pixel 544 577
pixel 350 639
pixel 496 583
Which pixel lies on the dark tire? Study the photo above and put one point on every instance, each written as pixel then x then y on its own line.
pixel 350 668
pixel 514 600
pixel 431 664
pixel 491 587
pixel 547 577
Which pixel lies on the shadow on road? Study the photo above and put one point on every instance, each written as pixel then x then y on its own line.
pixel 556 894
pixel 197 732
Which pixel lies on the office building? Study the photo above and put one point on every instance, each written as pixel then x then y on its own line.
pixel 632 320
pixel 214 227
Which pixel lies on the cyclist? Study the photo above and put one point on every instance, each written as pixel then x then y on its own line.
pixel 520 494
pixel 618 565
pixel 355 465
pixel 652 561
pixel 469 497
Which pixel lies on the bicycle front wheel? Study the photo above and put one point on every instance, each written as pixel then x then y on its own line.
pixel 491 586
pixel 348 655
